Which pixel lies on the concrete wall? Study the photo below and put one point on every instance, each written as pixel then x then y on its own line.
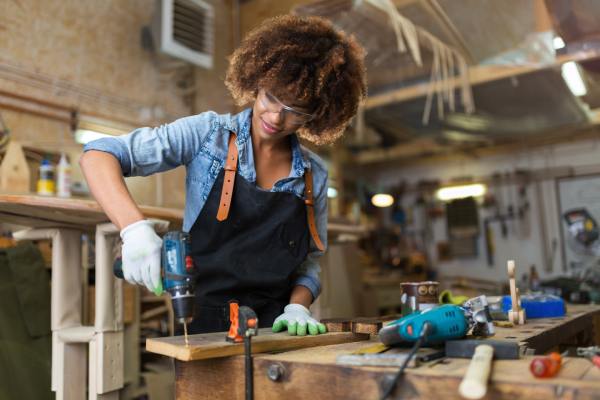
pixel 578 158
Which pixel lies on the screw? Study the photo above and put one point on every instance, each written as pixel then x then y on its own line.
pixel 275 372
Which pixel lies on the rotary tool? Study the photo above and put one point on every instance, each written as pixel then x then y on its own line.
pixel 447 322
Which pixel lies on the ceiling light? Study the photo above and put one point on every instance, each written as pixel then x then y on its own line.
pixel 382 200
pixel 460 192
pixel 332 193
pixel 558 43
pixel 572 76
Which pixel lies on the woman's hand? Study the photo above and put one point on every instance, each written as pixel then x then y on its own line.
pixel 141 255
pixel 297 319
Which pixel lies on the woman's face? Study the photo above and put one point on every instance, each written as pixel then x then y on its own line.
pixel 273 119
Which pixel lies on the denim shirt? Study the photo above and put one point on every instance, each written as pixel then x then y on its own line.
pixel 200 142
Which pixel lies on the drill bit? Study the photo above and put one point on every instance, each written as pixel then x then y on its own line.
pixel 185 334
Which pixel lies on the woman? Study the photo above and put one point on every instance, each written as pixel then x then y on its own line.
pixel 247 209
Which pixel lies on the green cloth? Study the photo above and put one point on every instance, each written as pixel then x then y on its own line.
pixel 25 336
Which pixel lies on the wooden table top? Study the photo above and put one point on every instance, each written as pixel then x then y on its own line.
pixel 51 212
pixel 312 371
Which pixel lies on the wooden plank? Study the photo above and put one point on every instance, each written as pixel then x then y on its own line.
pixel 543 334
pixel 214 345
pixel 32 210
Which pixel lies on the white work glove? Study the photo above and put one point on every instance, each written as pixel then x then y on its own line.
pixel 141 254
pixel 297 319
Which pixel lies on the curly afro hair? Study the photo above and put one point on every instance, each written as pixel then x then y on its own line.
pixel 307 59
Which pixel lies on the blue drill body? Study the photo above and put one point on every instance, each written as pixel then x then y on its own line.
pixel 448 322
pixel 177 273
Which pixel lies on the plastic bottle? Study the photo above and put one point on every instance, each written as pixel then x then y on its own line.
pixel 45 184
pixel 63 177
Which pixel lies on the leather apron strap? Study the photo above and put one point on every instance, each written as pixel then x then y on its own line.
pixel 310 209
pixel 230 169
pixel 227 192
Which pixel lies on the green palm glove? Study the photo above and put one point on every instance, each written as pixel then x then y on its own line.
pixel 297 319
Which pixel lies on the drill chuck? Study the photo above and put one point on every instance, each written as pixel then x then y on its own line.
pixel 183 304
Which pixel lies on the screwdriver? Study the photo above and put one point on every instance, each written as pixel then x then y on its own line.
pixel 592 353
pixel 547 366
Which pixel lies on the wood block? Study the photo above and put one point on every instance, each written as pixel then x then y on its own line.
pixel 214 345
pixel 14 171
pixel 369 326
pixel 337 324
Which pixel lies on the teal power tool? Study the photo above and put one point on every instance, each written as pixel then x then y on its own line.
pixel 429 327
pixel 177 270
pixel 447 322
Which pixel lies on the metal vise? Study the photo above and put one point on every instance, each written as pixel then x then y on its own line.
pixel 477 312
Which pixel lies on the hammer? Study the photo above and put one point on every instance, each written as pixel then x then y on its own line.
pixel 474 383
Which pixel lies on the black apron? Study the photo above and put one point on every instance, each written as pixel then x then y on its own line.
pixel 250 257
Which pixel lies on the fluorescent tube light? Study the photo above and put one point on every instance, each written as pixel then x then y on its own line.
pixel 382 200
pixel 572 76
pixel 460 192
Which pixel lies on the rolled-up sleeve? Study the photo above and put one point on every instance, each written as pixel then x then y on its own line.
pixel 146 151
pixel 308 274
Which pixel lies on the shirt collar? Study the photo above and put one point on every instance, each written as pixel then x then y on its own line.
pixel 241 123
pixel 299 161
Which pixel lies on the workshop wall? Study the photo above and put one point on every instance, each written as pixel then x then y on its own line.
pixel 89 57
pixel 524 242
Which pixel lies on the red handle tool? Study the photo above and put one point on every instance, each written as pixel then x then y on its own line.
pixel 546 367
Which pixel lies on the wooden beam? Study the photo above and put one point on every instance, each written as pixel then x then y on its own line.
pixel 415 148
pixel 477 75
pixel 437 154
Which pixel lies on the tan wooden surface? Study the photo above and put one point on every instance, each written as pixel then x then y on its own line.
pixel 214 345
pixel 51 212
pixel 544 334
pixel 312 373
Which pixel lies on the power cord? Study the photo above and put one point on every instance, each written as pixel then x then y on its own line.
pixel 427 327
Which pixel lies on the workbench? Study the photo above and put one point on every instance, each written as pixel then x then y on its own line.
pixel 312 373
pixel 84 358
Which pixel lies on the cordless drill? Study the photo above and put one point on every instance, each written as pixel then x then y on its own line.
pixel 177 273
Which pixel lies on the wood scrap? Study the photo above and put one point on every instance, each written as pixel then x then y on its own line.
pixel 337 324
pixel 369 326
